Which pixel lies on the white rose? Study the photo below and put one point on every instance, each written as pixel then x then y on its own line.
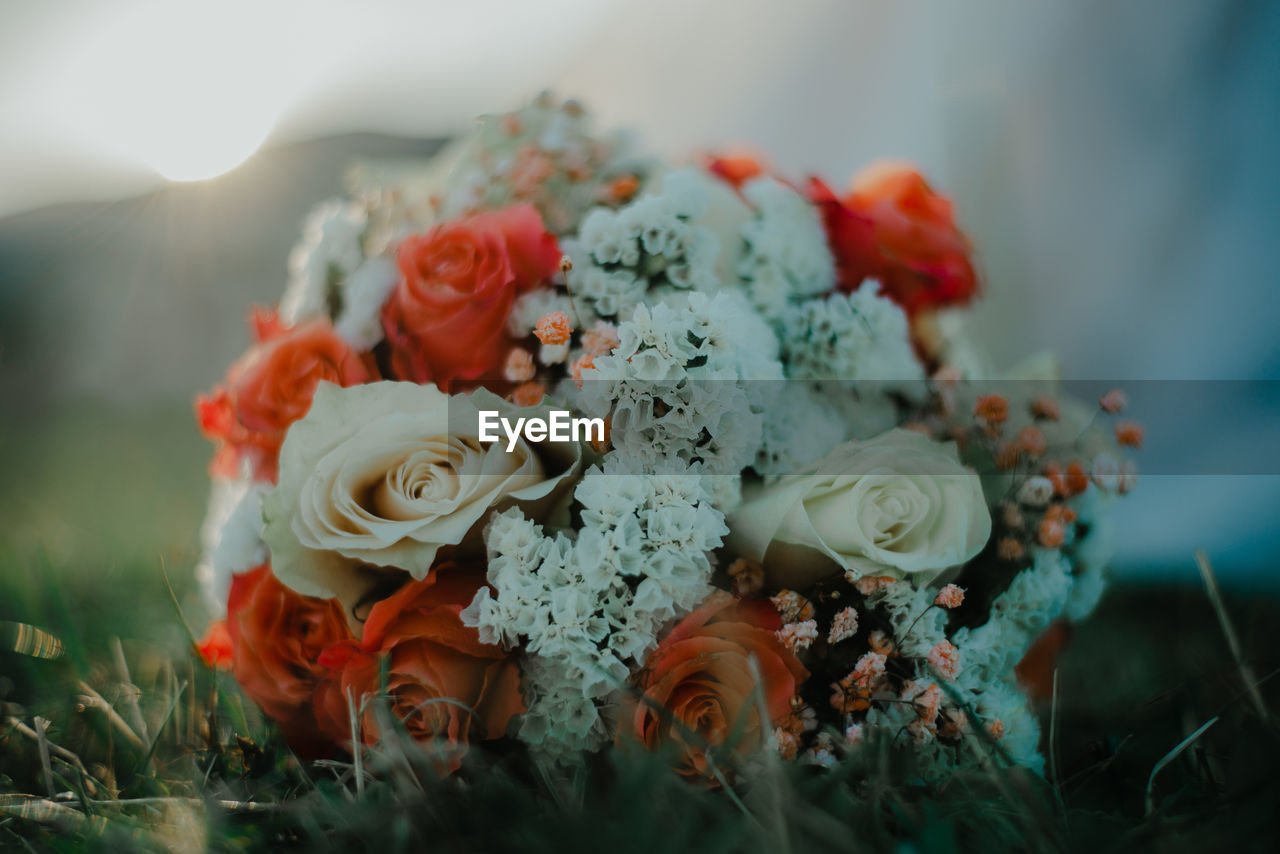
pixel 386 474
pixel 900 505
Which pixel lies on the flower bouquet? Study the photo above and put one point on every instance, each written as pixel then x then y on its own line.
pixel 554 447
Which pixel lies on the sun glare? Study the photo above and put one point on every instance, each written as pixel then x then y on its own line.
pixel 199 148
pixel 189 92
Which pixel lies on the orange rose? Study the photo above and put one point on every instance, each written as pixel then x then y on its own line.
pixel 214 648
pixel 271 387
pixel 893 227
pixel 700 677
pixel 443 683
pixel 1036 668
pixel 736 167
pixel 446 319
pixel 277 637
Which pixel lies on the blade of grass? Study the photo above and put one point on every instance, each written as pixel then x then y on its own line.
pixel 131 691
pixel 173 598
pixel 1169 757
pixel 1055 767
pixel 173 705
pixel 1228 629
pixel 357 751
pixel 782 839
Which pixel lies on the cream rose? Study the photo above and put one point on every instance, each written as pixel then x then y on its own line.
pixel 899 504
pixel 388 473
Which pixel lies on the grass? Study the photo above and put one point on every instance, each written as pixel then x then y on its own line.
pixel 123 742
pixel 1136 680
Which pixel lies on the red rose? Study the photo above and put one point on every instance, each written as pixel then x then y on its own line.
pixel 277 637
pixel 893 227
pixel 271 387
pixel 700 677
pixel 850 234
pixel 446 319
pixel 443 683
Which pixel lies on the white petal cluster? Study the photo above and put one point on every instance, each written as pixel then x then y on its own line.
pixel 1002 701
pixel 231 537
pixel 654 243
pixel 561 721
pixel 986 683
pixel 544 153
pixel 800 426
pixel 589 608
pixel 329 251
pixel 531 306
pixel 1036 596
pixel 860 337
pixel 366 289
pixel 786 257
pixel 1091 551
pixel 687 387
pixel 331 276
pixel 917 626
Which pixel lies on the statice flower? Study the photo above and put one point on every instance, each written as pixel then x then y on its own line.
pixel 1091 552
pixel 800 427
pixel 786 257
pixel 593 605
pixel 360 320
pixel 686 389
pixel 918 625
pixel 559 721
pixel 231 536
pixel 986 682
pixel 531 307
pixel 1007 714
pixel 859 337
pixel 1036 596
pixel 329 251
pixel 654 243
pixel 545 154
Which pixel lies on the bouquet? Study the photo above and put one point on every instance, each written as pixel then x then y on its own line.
pixel 551 446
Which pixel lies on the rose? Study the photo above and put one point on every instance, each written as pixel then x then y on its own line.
pixel 893 227
pixel 697 689
pixel 443 683
pixel 387 474
pixel 1038 665
pixel 214 648
pixel 276 638
pixel 899 505
pixel 735 167
pixel 447 316
pixel 271 386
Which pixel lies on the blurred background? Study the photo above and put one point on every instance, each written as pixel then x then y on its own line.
pixel 1115 164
